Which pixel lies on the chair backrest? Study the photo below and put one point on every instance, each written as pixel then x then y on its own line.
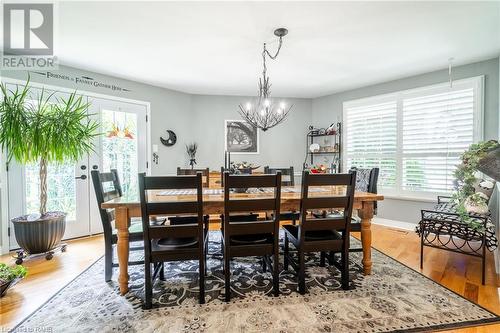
pixel 107 187
pixel 245 171
pixel 247 203
pixel 366 181
pixel 204 172
pixel 335 198
pixel 152 206
pixel 287 178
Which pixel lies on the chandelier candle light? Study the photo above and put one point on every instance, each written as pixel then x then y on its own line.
pixel 266 113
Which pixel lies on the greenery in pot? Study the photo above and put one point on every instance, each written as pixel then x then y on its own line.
pixel 465 174
pixel 10 275
pixel 46 130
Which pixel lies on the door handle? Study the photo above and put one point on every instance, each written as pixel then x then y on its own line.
pixel 81 177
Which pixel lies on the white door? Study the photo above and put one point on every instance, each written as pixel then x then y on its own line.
pixel 123 146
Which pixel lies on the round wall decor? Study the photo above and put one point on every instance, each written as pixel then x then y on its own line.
pixel 171 140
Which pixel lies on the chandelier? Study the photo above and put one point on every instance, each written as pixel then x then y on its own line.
pixel 266 112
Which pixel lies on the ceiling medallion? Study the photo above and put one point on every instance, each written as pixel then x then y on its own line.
pixel 266 112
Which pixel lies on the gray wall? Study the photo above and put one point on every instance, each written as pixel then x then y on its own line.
pixel 169 109
pixel 281 146
pixel 329 108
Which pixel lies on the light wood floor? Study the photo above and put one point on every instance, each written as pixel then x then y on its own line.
pixel 459 273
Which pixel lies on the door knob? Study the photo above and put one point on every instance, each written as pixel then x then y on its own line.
pixel 95 167
pixel 81 177
pixel 83 167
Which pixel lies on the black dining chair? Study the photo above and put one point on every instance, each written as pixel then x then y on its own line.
pixel 204 172
pixel 173 242
pixel 366 181
pixel 287 179
pixel 324 234
pixel 107 187
pixel 251 238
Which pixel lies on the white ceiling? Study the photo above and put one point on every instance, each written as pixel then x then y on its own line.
pixel 215 48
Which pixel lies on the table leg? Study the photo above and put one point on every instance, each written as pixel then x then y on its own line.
pixel 122 224
pixel 366 215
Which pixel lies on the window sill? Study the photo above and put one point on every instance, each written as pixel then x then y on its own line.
pixel 407 198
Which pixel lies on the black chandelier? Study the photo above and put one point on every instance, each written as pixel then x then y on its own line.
pixel 265 112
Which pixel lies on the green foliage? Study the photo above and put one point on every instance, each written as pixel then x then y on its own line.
pixel 10 273
pixel 465 175
pixel 53 130
pixel 46 130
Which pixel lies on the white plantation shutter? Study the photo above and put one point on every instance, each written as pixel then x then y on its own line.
pixel 415 137
pixel 371 135
pixel 437 128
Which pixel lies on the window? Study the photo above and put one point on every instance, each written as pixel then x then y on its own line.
pixel 415 137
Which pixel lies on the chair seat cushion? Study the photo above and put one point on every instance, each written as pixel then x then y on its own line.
pixel 314 235
pixel 173 243
pixel 251 239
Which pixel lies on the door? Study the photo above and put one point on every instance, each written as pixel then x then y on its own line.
pixel 123 146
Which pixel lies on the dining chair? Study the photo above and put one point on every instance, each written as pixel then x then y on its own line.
pixel 251 238
pixel 172 242
pixel 366 181
pixel 205 174
pixel 285 181
pixel 324 234
pixel 107 187
pixel 244 171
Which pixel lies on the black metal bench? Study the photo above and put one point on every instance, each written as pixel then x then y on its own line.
pixel 443 228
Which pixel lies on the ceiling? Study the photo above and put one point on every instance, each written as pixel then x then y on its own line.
pixel 215 47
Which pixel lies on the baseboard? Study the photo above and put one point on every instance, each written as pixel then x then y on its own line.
pixel 394 224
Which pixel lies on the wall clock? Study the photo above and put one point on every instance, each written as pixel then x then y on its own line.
pixel 171 140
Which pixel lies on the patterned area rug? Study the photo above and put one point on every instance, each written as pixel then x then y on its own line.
pixel 393 298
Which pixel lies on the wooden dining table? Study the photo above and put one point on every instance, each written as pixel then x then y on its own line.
pixel 213 203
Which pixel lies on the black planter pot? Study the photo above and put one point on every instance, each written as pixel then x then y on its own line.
pixel 42 235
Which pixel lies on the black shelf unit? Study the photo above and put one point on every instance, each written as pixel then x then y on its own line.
pixel 336 156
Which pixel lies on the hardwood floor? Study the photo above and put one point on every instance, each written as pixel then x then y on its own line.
pixel 459 273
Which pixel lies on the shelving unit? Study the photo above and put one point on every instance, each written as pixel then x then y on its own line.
pixel 335 162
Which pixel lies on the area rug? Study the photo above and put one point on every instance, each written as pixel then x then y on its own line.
pixel 394 298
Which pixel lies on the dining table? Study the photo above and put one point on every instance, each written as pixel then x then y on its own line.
pixel 127 207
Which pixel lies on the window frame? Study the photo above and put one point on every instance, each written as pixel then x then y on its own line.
pixel 476 83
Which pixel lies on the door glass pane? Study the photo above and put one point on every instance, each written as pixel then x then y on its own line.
pixel 61 191
pixel 119 148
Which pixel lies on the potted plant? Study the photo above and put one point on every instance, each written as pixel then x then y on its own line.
pixel 9 276
pixel 44 131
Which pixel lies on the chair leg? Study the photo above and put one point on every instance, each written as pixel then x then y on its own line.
pixel 285 258
pixel 345 268
pixel 331 258
pixel 108 261
pixel 162 271
pixel 421 252
pixel 227 278
pixel 483 268
pixel 264 266
pixel 276 273
pixel 322 259
pixel 201 277
pixel 302 272
pixel 148 286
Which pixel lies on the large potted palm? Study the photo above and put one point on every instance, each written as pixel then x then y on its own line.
pixel 44 130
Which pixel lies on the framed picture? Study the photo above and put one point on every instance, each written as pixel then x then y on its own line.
pixel 241 137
